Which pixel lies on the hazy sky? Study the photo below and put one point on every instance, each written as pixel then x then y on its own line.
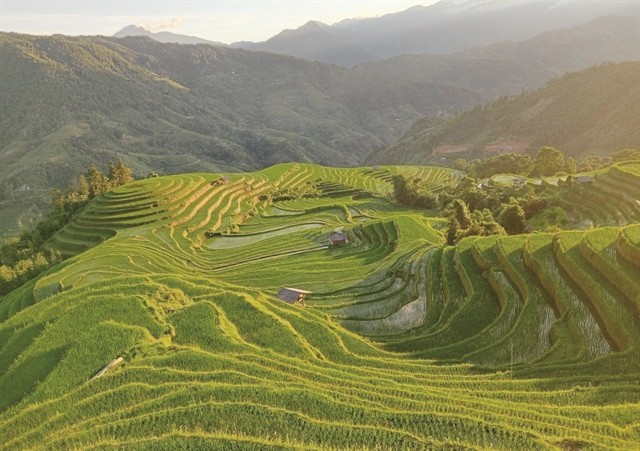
pixel 224 21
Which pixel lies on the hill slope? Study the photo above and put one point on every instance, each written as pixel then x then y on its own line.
pixel 595 111
pixel 211 359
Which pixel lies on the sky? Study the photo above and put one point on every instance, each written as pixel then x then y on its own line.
pixel 216 20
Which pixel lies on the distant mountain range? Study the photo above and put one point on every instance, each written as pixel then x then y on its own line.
pixel 509 67
pixel 445 27
pixel 595 111
pixel 163 36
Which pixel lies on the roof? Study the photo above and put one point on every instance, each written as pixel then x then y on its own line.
pixel 584 178
pixel 290 295
pixel 336 237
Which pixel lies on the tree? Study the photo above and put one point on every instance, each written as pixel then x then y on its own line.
pixel 7 275
pixel 452 231
pixel 626 155
pixel 512 217
pixel 570 166
pixel 459 219
pixel 119 174
pixel 96 180
pixel 483 224
pixel 593 162
pixel 548 161
pixel 508 163
pixel 460 164
pixel 57 198
pixel 459 211
pixel 82 188
pixel 462 223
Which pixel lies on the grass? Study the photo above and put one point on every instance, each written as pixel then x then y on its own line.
pixel 523 342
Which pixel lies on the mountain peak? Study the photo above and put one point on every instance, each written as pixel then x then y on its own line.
pixel 313 24
pixel 132 30
pixel 162 36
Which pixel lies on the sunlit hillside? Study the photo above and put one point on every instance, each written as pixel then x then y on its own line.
pixel 527 341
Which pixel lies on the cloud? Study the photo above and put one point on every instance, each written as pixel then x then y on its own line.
pixel 161 24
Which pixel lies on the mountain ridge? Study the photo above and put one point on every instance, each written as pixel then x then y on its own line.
pixel 508 67
pixel 166 37
pixel 441 28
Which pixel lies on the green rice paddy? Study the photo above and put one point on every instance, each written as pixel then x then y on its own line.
pixel 521 342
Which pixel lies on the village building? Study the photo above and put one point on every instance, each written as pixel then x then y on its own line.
pixel 519 182
pixel 292 295
pixel 584 179
pixel 338 238
pixel 224 180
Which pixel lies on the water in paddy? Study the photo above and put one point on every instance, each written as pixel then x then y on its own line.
pixel 229 242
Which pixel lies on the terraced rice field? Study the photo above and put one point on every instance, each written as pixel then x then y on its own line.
pixel 522 342
pixel 611 199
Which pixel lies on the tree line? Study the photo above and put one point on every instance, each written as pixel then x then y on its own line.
pixel 471 209
pixel 474 208
pixel 548 161
pixel 24 257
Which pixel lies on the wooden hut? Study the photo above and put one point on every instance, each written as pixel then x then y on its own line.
pixel 224 180
pixel 519 182
pixel 292 295
pixel 338 238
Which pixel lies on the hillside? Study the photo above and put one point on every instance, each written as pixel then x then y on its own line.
pixel 518 342
pixel 447 26
pixel 595 111
pixel 69 102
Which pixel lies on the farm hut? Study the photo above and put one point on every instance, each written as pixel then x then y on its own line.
pixel 338 239
pixel 584 179
pixel 292 295
pixel 221 180
pixel 518 182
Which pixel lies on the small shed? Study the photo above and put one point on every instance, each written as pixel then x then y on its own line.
pixel 224 180
pixel 584 179
pixel 338 238
pixel 292 295
pixel 519 182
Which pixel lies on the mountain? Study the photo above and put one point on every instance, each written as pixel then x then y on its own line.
pixel 594 111
pixel 69 102
pixel 163 36
pixel 509 67
pixel 445 27
pixel 314 41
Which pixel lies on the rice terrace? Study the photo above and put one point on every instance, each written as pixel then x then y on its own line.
pixel 529 341
pixel 320 225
